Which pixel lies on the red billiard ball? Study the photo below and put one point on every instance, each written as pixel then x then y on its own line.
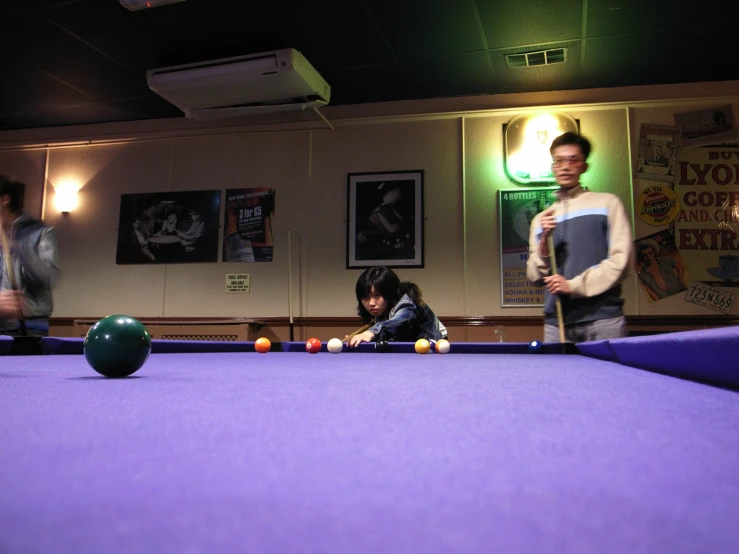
pixel 313 346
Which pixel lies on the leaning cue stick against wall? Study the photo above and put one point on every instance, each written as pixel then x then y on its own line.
pixel 11 276
pixel 290 285
pixel 553 263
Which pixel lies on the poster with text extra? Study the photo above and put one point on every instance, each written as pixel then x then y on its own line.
pixel 247 229
pixel 517 209
pixel 706 228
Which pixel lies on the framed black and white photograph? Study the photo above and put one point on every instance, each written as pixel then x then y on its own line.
pixel 168 227
pixel 707 126
pixel 385 219
pixel 657 153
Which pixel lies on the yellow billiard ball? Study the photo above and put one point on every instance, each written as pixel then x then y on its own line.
pixel 423 346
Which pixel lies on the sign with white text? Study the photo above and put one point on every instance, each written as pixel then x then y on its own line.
pixel 247 232
pixel 517 210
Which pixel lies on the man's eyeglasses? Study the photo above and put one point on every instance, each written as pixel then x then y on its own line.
pixel 570 160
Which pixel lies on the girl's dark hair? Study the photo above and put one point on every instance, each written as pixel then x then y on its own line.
pixel 388 285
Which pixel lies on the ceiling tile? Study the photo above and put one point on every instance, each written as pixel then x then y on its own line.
pixel 613 17
pixel 34 90
pixel 424 29
pixel 658 58
pixel 530 22
pixel 463 75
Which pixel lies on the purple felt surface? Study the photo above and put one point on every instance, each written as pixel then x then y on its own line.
pixel 708 355
pixel 600 349
pixel 292 452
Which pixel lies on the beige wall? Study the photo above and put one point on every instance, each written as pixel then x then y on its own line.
pixel 457 142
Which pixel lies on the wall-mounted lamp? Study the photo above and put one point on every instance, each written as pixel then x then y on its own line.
pixel 527 139
pixel 65 195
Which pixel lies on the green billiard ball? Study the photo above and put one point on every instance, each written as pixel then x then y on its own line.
pixel 117 346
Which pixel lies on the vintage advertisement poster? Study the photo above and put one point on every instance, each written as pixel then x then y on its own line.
pixel 659 266
pixel 247 229
pixel 707 126
pixel 657 153
pixel 517 209
pixel 706 229
pixel 168 227
pixel 657 205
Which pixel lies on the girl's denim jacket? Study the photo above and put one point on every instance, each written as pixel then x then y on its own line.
pixel 408 322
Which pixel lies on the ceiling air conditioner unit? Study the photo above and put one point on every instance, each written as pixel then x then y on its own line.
pixel 245 85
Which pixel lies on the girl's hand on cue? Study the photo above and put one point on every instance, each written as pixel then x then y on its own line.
pixel 367 336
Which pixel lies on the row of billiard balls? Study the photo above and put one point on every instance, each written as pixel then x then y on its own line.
pixel 313 345
pixel 118 345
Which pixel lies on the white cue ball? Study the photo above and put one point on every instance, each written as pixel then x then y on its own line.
pixel 442 346
pixel 335 346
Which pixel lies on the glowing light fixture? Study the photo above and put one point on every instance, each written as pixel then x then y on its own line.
pixel 65 195
pixel 527 139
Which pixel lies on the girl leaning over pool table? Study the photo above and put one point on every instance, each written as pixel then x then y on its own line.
pixel 394 308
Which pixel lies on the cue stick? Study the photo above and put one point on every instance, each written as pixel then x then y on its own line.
pixel 553 262
pixel 358 331
pixel 11 275
pixel 290 284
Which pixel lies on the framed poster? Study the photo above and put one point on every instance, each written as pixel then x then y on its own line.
pixel 660 267
pixel 247 230
pixel 168 227
pixel 707 126
pixel 657 153
pixel 385 219
pixel 706 229
pixel 517 210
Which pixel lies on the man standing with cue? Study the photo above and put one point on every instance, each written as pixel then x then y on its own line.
pixel 593 253
pixel 29 270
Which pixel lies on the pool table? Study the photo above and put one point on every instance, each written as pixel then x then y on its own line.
pixel 620 446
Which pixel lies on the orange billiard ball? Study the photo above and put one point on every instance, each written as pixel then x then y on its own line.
pixel 423 346
pixel 442 346
pixel 313 346
pixel 262 345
